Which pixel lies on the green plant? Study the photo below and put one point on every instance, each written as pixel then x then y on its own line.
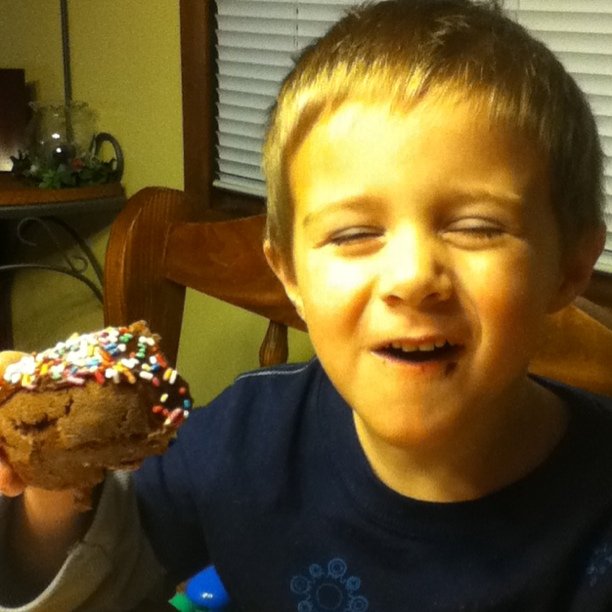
pixel 78 172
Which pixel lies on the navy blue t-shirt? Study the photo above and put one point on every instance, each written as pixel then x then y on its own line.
pixel 270 484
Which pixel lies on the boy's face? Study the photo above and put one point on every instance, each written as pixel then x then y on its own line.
pixel 426 255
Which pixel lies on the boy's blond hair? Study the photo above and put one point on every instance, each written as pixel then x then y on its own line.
pixel 399 51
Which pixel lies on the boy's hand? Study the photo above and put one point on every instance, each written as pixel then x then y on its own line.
pixel 10 484
pixel 8 357
pixel 43 525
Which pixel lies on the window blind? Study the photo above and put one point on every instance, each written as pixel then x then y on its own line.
pixel 257 39
pixel 580 33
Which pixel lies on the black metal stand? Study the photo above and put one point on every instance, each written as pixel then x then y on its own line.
pixel 54 235
pixel 74 265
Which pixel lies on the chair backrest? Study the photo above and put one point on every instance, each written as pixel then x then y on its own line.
pixel 159 245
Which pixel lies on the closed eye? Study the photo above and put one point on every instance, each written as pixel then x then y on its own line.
pixel 354 235
pixel 474 230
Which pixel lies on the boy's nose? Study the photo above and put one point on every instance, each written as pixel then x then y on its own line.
pixel 415 271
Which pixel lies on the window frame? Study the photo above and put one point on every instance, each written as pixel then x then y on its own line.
pixel 197 26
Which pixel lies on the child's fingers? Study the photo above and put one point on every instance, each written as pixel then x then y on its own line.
pixel 10 484
pixel 8 357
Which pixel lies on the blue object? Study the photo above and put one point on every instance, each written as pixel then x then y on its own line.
pixel 205 590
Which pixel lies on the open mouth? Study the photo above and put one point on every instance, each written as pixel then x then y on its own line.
pixel 423 353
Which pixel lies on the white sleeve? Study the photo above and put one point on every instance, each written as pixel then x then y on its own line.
pixel 112 568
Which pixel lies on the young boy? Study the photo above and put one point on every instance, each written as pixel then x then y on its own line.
pixel 434 182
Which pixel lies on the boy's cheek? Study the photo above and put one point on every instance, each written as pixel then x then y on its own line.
pixel 320 273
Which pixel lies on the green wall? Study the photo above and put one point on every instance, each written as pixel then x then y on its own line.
pixel 126 65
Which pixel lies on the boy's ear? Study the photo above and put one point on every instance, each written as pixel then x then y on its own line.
pixel 578 267
pixel 286 274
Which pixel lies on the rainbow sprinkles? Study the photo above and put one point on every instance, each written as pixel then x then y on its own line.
pixel 115 354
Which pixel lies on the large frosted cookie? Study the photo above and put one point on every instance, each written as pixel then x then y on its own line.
pixel 98 401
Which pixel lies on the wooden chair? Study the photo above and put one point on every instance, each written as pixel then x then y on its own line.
pixel 160 244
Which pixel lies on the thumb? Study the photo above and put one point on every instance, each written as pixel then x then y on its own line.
pixel 10 484
pixel 8 357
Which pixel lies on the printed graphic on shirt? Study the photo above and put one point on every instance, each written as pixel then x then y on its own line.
pixel 325 589
pixel 600 563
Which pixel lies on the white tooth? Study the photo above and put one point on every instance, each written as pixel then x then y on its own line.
pixel 426 347
pixel 409 349
pixel 420 347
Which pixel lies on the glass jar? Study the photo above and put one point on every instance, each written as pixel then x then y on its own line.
pixel 60 133
pixel 63 147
